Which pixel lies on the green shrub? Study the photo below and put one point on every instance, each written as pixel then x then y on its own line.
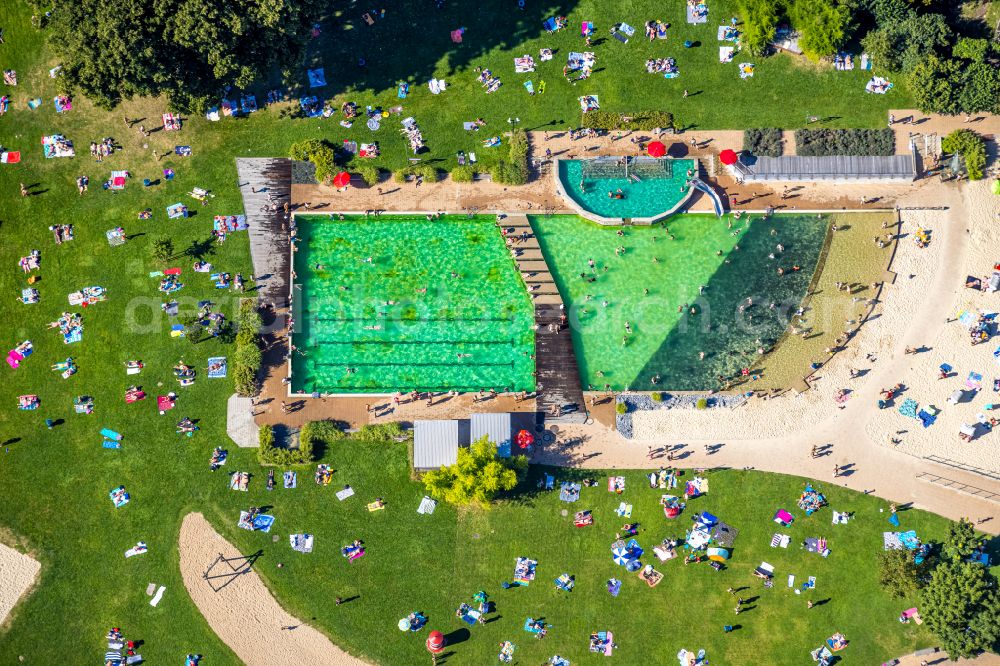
pixel 321 153
pixel 463 174
pixel 320 431
pixel 971 147
pixel 268 453
pixel 400 175
pixel 244 380
pixel 656 396
pixel 763 142
pixel 379 432
pixel 621 409
pixel 855 142
pixel 510 173
pixel 701 404
pixel 428 172
pixel 247 354
pixel 369 173
pixel 642 121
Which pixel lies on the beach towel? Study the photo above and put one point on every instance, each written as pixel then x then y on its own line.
pixel 289 479
pixel 614 587
pixel 781 540
pixel 138 549
pixel 217 367
pixel 261 522
pixel 403 90
pixel 746 70
pixel 164 403
pixel 456 35
pixel 437 86
pixel 726 53
pixel 176 210
pixel 974 381
pixel 624 510
pixel 589 103
pixel 586 28
pixel 569 492
pixel 926 419
pixel 248 104
pixel 840 518
pixel 301 542
pixel 620 37
pixel 427 506
pixel 212 114
pixel 866 62
pixel 909 408
pixel 627 29
pixel 10 157
pixel 34 103
pixel 697 13
pixel 549 24
pixel 345 493
pixel 62 104
pixel 156 597
pixel 317 78
pixel 616 484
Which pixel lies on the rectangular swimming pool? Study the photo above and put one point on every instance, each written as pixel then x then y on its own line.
pixel 404 303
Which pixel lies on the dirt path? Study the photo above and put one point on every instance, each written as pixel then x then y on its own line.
pixel 243 613
pixel 17 575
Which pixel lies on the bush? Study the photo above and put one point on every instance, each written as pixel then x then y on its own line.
pixel 477 477
pixel 247 355
pixel 621 409
pixel 656 396
pixel 401 175
pixel 855 142
pixel 268 453
pixel 642 121
pixel 513 170
pixel 369 173
pixel 971 147
pixel 379 432
pixel 701 404
pixel 321 153
pixel 763 142
pixel 463 174
pixel 428 172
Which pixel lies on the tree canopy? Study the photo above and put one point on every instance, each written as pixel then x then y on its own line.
pixel 898 574
pixel 477 477
pixel 962 606
pixel 899 46
pixel 823 25
pixel 186 49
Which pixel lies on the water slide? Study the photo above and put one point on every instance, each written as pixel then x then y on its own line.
pixel 699 184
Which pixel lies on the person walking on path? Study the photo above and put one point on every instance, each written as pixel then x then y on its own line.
pixel 836 471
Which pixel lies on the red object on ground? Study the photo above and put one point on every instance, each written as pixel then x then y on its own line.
pixel 342 179
pixel 656 149
pixel 524 439
pixel 728 157
pixel 435 642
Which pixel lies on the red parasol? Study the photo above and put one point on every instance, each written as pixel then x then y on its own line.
pixel 525 439
pixel 342 179
pixel 435 642
pixel 656 149
pixel 728 157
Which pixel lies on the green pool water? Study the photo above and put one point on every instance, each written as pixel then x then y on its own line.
pixel 649 197
pixel 366 324
pixel 665 341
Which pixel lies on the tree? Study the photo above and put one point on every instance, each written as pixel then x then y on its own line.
pixel 186 49
pixel 968 48
pixel 163 249
pixel 901 46
pixel 760 18
pixel 936 85
pixel 960 541
pixel 477 477
pixel 961 605
pixel 898 573
pixel 971 147
pixel 822 23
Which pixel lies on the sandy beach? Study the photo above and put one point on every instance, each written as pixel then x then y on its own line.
pixel 243 613
pixel 17 575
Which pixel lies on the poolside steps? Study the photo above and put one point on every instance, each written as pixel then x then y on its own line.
pixel 270 249
pixel 558 378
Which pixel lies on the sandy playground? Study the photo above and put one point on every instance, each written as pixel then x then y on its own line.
pixel 17 574
pixel 243 614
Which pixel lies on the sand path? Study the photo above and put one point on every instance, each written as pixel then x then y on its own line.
pixel 243 614
pixel 17 574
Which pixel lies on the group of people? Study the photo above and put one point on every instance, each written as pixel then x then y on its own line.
pixel 103 149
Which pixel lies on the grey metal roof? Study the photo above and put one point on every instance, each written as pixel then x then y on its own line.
pixel 495 426
pixel 794 167
pixel 435 443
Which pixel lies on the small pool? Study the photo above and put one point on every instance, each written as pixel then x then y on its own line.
pixel 648 187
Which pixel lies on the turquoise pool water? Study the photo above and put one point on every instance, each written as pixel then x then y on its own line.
pixel 659 191
pixel 655 282
pixel 403 303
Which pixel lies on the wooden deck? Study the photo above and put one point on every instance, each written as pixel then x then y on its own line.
pixel 558 380
pixel 270 249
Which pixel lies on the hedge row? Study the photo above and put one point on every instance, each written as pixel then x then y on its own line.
pixel 270 454
pixel 763 142
pixel 513 170
pixel 854 142
pixel 247 355
pixel 320 433
pixel 321 153
pixel 642 121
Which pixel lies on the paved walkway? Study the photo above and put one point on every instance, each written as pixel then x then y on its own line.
pixel 266 186
pixel 240 424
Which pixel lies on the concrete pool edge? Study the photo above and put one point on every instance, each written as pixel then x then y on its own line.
pixel 578 209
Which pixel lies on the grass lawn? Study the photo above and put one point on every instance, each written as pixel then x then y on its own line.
pixel 412 43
